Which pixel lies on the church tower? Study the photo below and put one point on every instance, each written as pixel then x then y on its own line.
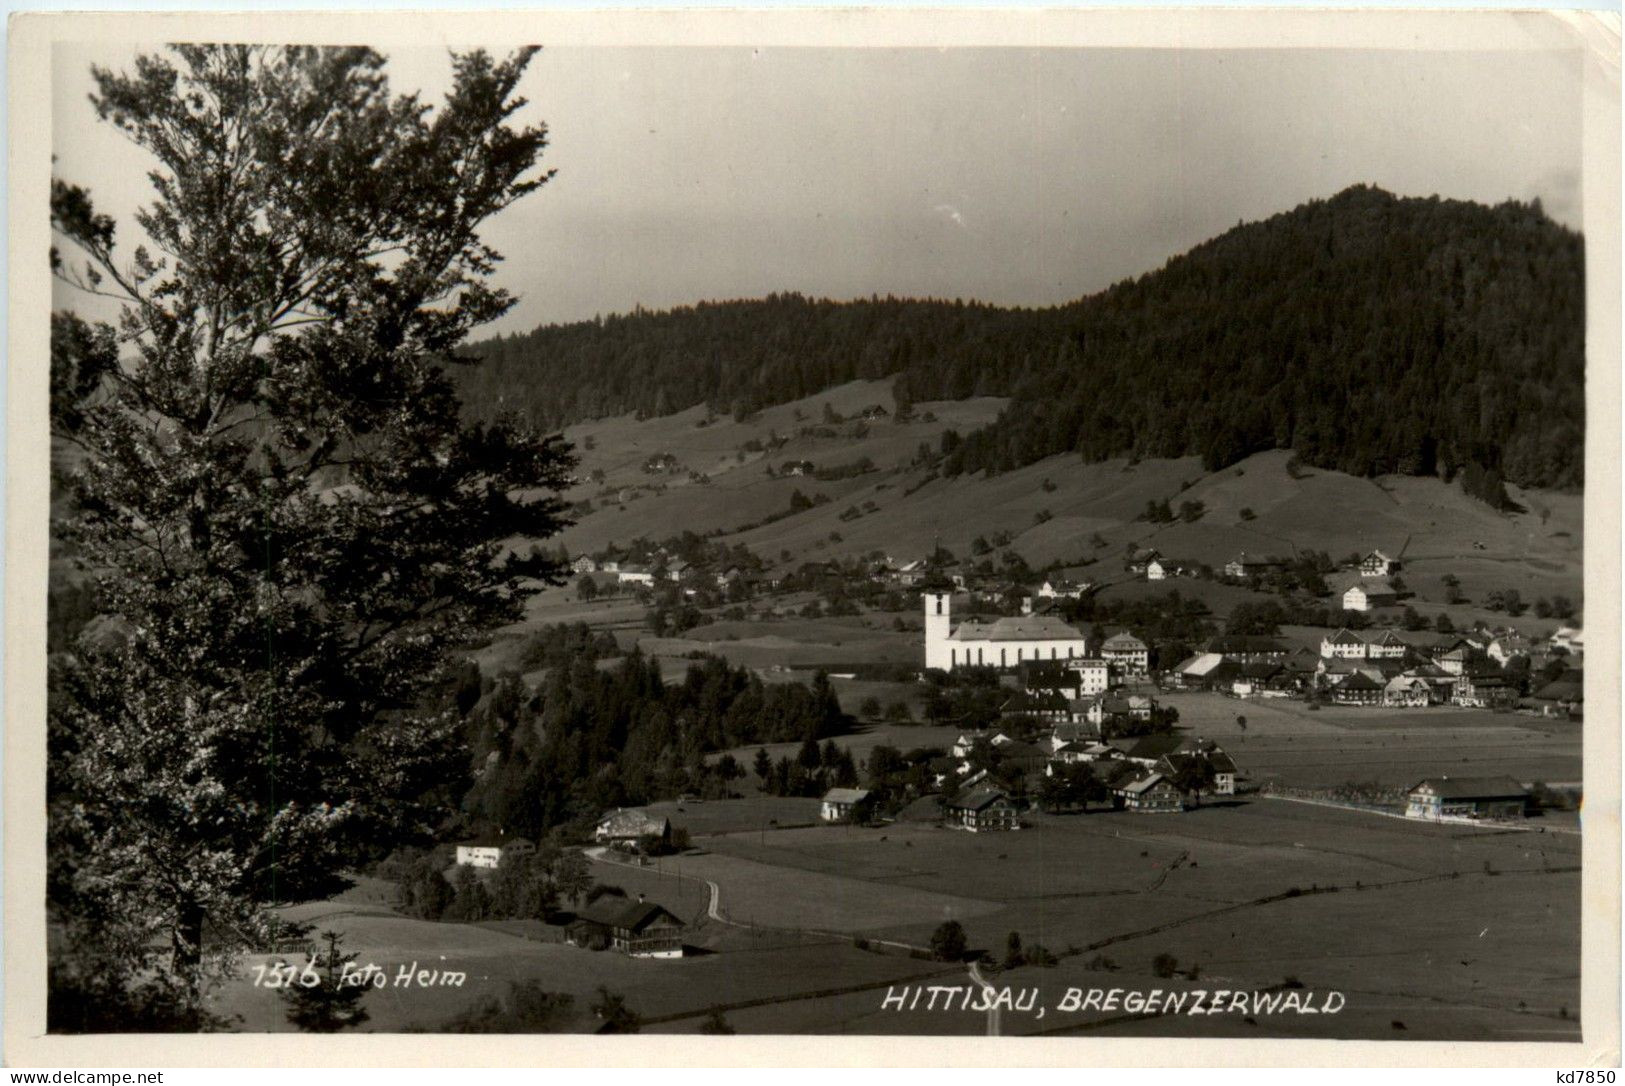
pixel 937 608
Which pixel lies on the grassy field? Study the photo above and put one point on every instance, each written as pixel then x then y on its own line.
pixel 1285 741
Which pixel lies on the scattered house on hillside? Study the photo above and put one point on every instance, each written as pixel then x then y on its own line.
pixel 489 851
pixel 1155 570
pixel 677 570
pixel 1004 643
pixel 1246 648
pixel 1358 688
pixel 639 929
pixel 1147 791
pixel 635 574
pixel 1248 565
pixel 1467 797
pixel 912 573
pixel 730 576
pixel 1368 597
pixel 844 804
pixel 1127 654
pixel 609 565
pixel 1056 588
pixel 628 825
pixel 1138 560
pixel 1407 691
pixel 584 564
pixel 796 467
pixel 981 811
pixel 1377 564
pixel 873 412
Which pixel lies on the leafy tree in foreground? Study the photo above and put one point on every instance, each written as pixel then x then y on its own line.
pixel 274 493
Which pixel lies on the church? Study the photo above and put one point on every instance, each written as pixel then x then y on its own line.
pixel 1005 642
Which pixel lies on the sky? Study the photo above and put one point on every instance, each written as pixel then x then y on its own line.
pixel 1016 176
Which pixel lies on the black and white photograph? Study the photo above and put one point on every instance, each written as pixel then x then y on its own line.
pixel 936 535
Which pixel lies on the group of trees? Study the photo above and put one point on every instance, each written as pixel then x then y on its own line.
pixel 1367 332
pixel 594 737
pixel 523 887
pixel 813 771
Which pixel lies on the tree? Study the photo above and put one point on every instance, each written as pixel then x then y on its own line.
pixel 762 764
pixel 716 1024
pixel 1193 775
pixel 948 941
pixel 1012 951
pixel 275 490
pixel 617 1016
pixel 572 875
pixel 586 589
pixel 333 1002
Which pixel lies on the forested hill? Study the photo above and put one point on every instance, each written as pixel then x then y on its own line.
pixel 1368 332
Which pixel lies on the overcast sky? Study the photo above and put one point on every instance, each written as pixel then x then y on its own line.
pixel 1016 176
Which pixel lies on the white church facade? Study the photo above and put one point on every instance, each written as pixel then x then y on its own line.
pixel 1004 643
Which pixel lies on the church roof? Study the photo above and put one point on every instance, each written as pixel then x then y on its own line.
pixel 1017 628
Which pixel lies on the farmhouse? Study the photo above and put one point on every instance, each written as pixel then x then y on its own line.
pixel 1148 791
pixel 1260 677
pixel 841 804
pixel 1207 671
pixel 677 570
pixel 1045 708
pixel 1407 691
pixel 584 564
pixel 1365 598
pixel 492 850
pixel 1248 565
pixel 1119 707
pixel 1569 638
pixel 1246 648
pixel 1004 643
pixel 1223 766
pixel 1358 688
pixel 629 825
pixel 983 810
pixel 639 929
pixel 1508 647
pixel 1377 564
pixel 1138 560
pixel 1071 678
pixel 1484 690
pixel 1060 589
pixel 1155 570
pixel 1467 797
pixel 1564 696
pixel 1345 644
pixel 1127 654
pixel 1086 751
pixel 631 574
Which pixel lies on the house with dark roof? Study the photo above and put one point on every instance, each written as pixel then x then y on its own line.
pixel 1358 688
pixel 981 811
pixel 844 804
pixel 1484 689
pixel 1246 648
pixel 1562 697
pixel 630 825
pixel 639 929
pixel 1467 797
pixel 1377 564
pixel 1249 565
pixel 1147 791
